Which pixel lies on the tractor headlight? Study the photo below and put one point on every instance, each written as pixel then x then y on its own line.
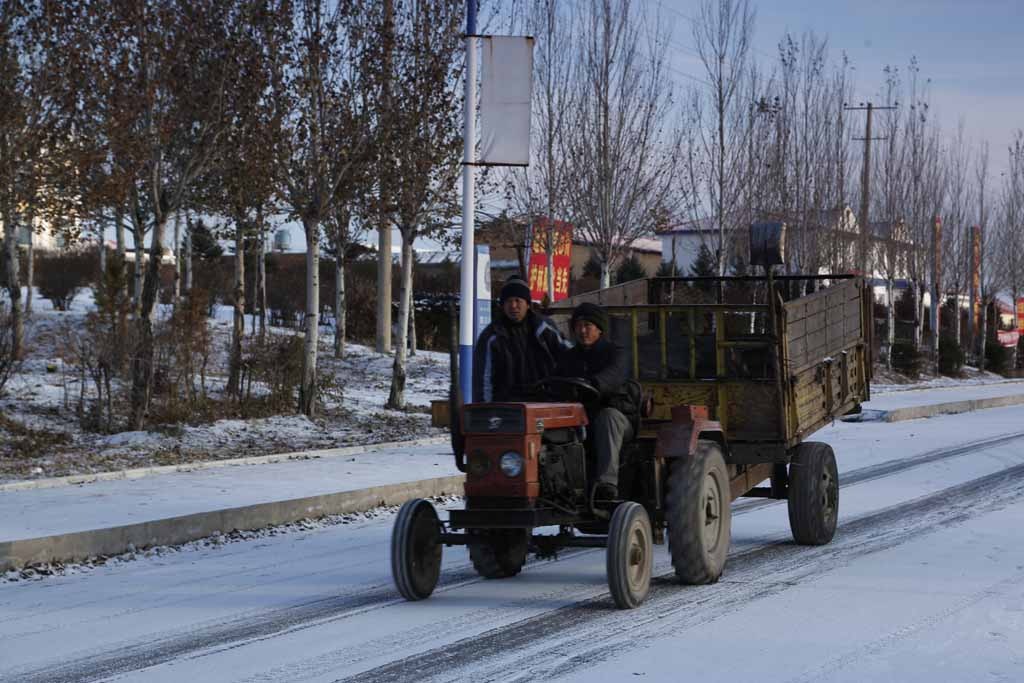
pixel 511 464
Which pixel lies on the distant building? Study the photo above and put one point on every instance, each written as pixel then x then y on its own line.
pixel 43 240
pixel 509 249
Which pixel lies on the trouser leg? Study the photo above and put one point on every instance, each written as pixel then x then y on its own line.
pixel 610 429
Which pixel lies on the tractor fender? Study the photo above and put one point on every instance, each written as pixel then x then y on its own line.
pixel 679 438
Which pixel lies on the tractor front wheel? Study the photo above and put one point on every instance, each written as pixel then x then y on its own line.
pixel 629 555
pixel 416 549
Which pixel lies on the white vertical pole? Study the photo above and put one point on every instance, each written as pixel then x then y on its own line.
pixel 467 311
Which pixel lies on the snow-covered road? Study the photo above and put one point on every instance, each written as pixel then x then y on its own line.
pixel 923 582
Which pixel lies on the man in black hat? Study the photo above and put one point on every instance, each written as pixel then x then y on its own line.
pixel 602 363
pixel 516 350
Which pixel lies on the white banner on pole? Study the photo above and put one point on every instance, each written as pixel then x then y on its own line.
pixel 505 88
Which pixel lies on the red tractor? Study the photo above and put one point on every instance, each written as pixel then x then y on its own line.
pixel 731 393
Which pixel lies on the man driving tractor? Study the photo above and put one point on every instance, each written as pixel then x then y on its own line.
pixel 516 350
pixel 602 363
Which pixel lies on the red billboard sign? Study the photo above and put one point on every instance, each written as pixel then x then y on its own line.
pixel 560 234
pixel 1008 339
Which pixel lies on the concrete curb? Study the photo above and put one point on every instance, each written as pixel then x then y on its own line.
pixel 80 545
pixel 951 408
pixel 136 473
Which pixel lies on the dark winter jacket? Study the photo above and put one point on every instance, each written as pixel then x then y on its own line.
pixel 509 357
pixel 605 366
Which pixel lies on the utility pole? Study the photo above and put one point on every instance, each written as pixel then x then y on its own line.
pixel 383 224
pixel 866 182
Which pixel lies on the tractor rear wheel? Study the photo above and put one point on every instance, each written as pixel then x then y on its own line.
pixel 699 515
pixel 500 554
pixel 813 493
pixel 629 555
pixel 416 549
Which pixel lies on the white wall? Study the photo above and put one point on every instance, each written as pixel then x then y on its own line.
pixel 686 246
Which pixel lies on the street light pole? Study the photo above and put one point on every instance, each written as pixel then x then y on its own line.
pixel 468 248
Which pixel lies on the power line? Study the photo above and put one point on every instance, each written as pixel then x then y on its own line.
pixel 666 64
pixel 693 21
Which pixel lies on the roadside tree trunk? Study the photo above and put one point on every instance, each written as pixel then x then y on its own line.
pixel 13 283
pixel 142 361
pixel 918 313
pixel 138 236
pixel 119 232
pixel 103 254
pixel 177 257
pixel 30 269
pixel 261 284
pixel 188 261
pixel 238 329
pixel 984 333
pixel 308 390
pixel 412 317
pixel 890 321
pixel 396 399
pixel 340 313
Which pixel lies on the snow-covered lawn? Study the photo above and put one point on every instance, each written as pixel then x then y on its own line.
pixel 40 435
pixel 886 381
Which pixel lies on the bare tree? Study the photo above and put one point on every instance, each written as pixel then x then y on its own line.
pixel 956 227
pixel 990 276
pixel 344 231
pixel 318 98
pixel 421 124
pixel 1011 213
pixel 722 34
pixel 241 185
pixel 161 77
pixel 24 112
pixel 887 254
pixel 625 163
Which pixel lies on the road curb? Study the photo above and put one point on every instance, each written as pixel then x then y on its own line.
pixel 80 545
pixel 138 472
pixel 951 408
pixel 948 408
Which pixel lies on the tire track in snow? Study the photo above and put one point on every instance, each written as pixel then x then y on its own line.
pixel 538 648
pixel 226 635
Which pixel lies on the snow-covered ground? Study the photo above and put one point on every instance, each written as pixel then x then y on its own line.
pixel 42 397
pixel 923 582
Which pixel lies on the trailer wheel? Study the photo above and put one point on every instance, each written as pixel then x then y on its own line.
pixel 629 555
pixel 416 549
pixel 500 554
pixel 813 493
pixel 699 515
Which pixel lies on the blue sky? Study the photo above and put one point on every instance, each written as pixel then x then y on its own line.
pixel 973 52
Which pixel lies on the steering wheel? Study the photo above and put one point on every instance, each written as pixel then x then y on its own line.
pixel 578 388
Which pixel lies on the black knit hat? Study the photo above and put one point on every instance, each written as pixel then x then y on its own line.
pixel 591 313
pixel 515 286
